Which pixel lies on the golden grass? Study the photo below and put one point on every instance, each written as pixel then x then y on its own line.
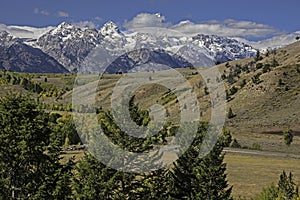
pixel 249 174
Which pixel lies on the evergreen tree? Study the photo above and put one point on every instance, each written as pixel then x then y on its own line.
pixel 286 187
pixel 29 164
pixel 194 177
pixel 230 114
pixel 285 190
pixel 154 185
pixel 94 180
pixel 288 137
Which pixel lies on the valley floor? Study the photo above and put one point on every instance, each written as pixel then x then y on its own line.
pixel 250 171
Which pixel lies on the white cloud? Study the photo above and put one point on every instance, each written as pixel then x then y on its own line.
pixel 62 14
pixel 229 27
pixel 147 20
pixel 276 42
pixel 25 31
pixel 98 18
pixel 41 12
pixel 84 24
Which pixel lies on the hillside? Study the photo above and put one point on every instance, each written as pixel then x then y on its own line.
pixel 265 98
pixel 262 92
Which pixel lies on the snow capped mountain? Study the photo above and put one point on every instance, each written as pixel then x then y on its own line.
pixel 70 45
pixel 17 56
pixel 6 39
pixel 110 29
pixel 276 42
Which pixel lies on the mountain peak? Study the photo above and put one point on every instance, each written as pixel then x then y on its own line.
pixel 65 25
pixel 64 28
pixel 6 38
pixel 110 29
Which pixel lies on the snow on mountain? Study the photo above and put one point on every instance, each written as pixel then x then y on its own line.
pixel 110 29
pixel 6 39
pixel 276 42
pixel 17 56
pixel 70 45
pixel 273 42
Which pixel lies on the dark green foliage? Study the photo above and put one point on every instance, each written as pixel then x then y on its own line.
pixel 269 193
pixel 223 76
pixel 94 180
pixel 280 82
pixel 274 63
pixel 286 186
pixel 230 114
pixel 259 65
pixel 235 144
pixel 258 57
pixel 288 137
pixel 206 92
pixel 298 68
pixel 29 163
pixel 233 90
pixel 31 168
pixel 230 78
pixel 244 82
pixel 266 68
pixel 64 130
pixel 25 81
pixel 140 117
pixel 256 79
pixel 194 177
pixel 154 185
pixel 285 190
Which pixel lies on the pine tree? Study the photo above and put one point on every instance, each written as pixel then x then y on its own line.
pixel 288 137
pixel 30 166
pixel 230 114
pixel 286 187
pixel 285 190
pixel 194 177
pixel 94 180
pixel 154 185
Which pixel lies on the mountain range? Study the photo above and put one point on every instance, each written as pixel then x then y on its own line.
pixel 64 48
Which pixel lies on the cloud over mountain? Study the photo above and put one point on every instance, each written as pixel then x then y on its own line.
pixel 228 28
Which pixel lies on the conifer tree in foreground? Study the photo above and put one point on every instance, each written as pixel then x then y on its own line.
pixel 30 167
pixel 194 177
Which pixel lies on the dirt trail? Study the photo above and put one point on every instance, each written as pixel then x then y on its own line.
pixel 261 153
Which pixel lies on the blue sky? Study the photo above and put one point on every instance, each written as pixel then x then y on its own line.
pixel 281 15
